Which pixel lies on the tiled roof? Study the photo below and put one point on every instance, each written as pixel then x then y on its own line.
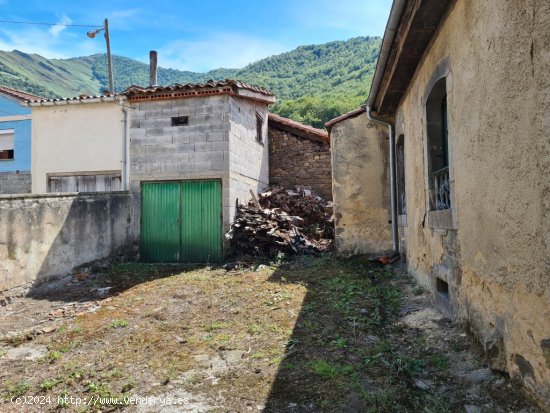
pixel 18 94
pixel 193 89
pixel 298 128
pixel 76 99
pixel 345 116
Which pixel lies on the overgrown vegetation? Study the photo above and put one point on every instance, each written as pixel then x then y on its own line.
pixel 312 334
pixel 313 83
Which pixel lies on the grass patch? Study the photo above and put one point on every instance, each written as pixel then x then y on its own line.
pixel 327 370
pixel 118 324
pixel 49 384
pixel 18 389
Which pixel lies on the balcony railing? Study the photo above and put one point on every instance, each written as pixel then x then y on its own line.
pixel 442 189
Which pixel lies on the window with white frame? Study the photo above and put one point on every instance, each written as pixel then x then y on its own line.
pixel 6 144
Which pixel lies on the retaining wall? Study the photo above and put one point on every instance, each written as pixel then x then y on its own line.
pixel 46 236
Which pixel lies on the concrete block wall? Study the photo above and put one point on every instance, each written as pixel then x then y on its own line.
pixel 15 183
pixel 46 236
pixel 219 142
pixel 248 158
pixel 198 150
pixel 294 160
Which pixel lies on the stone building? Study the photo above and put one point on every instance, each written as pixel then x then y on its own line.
pixel 299 155
pixel 360 184
pixel 15 141
pixel 195 151
pixel 465 87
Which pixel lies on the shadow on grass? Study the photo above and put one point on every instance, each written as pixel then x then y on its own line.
pixel 340 357
pixel 108 280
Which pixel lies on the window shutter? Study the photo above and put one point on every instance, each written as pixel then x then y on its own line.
pixel 6 140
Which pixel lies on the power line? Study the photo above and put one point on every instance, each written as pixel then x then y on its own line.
pixel 50 24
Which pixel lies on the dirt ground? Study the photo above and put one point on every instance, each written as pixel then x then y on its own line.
pixel 313 334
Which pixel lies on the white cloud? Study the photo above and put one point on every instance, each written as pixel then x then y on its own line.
pixel 56 30
pixel 222 49
pixel 50 42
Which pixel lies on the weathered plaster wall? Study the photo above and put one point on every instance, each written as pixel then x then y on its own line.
pixel 42 237
pixel 248 158
pixel 498 259
pixel 15 183
pixel 294 160
pixel 360 186
pixel 75 138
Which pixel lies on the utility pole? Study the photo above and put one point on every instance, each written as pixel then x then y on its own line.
pixel 109 59
pixel 91 34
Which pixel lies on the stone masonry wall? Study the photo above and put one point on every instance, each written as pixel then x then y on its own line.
pixel 46 236
pixel 299 161
pixel 15 183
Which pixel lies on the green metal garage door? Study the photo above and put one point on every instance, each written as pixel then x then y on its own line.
pixel 181 221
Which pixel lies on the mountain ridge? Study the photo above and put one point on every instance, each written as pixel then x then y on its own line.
pixel 313 83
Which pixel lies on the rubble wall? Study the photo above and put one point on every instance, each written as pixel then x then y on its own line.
pixel 360 186
pixel 15 183
pixel 248 158
pixel 43 237
pixel 294 160
pixel 496 57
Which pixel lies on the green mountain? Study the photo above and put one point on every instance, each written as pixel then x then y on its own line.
pixel 313 84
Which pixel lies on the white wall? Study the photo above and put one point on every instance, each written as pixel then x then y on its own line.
pixel 75 138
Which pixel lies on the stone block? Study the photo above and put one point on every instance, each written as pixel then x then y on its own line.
pixel 147 123
pixel 220 164
pixel 186 148
pixel 154 132
pixel 220 146
pixel 186 167
pixel 172 130
pixel 180 156
pixel 165 140
pixel 153 167
pixel 203 146
pixel 137 132
pixel 215 136
pixel 164 157
pixel 169 113
pixel 203 166
pixel 169 167
pixel 147 140
pixel 186 111
pixel 163 122
pixel 215 155
pixel 198 156
pixel 181 138
pixel 152 114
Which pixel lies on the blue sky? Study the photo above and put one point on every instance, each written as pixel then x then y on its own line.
pixel 196 35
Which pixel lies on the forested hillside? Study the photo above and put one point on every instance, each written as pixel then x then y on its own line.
pixel 312 83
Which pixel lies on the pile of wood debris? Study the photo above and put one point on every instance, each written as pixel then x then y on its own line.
pixel 279 220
